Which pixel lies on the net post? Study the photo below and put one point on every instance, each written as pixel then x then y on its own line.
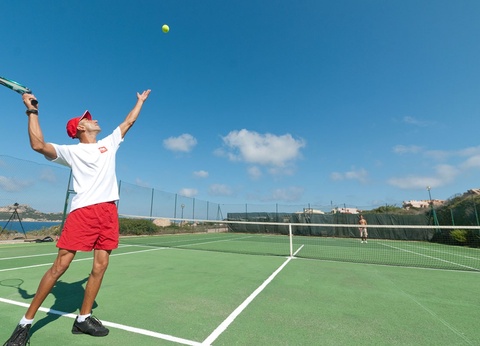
pixel 290 237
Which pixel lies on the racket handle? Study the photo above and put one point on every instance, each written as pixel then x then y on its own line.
pixel 34 102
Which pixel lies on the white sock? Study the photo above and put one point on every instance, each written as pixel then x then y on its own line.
pixel 82 318
pixel 24 321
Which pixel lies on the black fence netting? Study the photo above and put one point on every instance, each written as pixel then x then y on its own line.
pixel 336 225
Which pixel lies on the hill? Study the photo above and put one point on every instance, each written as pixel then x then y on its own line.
pixel 27 213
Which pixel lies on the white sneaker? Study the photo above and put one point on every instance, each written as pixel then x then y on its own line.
pixel 365 241
pixel 362 241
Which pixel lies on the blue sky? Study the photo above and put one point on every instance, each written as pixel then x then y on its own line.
pixel 362 103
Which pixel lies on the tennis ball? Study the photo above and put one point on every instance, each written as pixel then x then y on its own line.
pixel 165 28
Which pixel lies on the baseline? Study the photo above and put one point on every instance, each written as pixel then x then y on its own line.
pixel 81 259
pixel 431 257
pixel 111 324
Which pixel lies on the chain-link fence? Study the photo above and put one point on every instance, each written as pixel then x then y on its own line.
pixel 47 188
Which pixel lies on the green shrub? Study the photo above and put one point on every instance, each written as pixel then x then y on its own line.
pixel 147 227
pixel 459 236
pixel 137 227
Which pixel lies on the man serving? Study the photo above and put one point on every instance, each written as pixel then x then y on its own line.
pixel 92 223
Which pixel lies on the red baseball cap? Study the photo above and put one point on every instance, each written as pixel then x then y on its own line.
pixel 73 124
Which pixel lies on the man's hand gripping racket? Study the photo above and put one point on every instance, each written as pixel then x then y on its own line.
pixel 21 89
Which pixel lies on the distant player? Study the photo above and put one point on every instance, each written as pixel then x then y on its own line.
pixel 363 229
pixel 92 223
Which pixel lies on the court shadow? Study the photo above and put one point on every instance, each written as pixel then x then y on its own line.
pixel 68 299
pixel 24 294
pixel 16 283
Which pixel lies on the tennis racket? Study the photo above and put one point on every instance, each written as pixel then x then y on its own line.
pixel 17 87
pixel 15 283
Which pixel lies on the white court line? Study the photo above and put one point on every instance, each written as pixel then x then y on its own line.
pixel 441 320
pixel 216 241
pixel 17 257
pixel 111 324
pixel 177 241
pixel 224 325
pixel 47 254
pixel 212 337
pixel 78 260
pixel 301 247
pixel 445 252
pixel 435 258
pixel 106 323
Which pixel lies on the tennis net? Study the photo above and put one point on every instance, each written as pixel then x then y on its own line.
pixel 437 247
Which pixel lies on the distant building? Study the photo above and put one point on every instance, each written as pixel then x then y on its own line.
pixel 310 211
pixel 162 222
pixel 472 192
pixel 415 204
pixel 345 210
pixel 421 204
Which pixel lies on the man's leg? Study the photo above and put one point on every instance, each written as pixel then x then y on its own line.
pixel 61 264
pixel 21 334
pixel 100 264
pixel 85 323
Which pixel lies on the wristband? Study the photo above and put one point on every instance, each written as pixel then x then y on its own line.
pixel 31 111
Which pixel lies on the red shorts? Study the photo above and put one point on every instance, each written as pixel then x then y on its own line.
pixel 91 227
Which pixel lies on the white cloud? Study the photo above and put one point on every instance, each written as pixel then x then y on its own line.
pixel 406 149
pixel 262 149
pixel 439 155
pixel 281 170
pixel 220 190
pixel 13 184
pixel 48 175
pixel 444 174
pixel 471 162
pixel 336 176
pixel 201 174
pixel 254 172
pixel 188 192
pixel 446 154
pixel 465 159
pixel 141 183
pixel 288 194
pixel 414 182
pixel 470 151
pixel 182 143
pixel 413 121
pixel 360 174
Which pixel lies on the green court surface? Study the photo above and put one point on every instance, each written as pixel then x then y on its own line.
pixel 154 294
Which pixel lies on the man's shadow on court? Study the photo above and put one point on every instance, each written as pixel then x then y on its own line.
pixel 68 299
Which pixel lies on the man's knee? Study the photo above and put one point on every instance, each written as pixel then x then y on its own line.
pixel 99 267
pixel 62 262
pixel 100 263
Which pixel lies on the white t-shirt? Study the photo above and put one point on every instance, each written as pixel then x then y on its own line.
pixel 93 169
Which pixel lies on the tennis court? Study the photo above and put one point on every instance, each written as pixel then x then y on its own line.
pixel 245 289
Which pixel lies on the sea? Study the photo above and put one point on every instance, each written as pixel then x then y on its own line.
pixel 28 226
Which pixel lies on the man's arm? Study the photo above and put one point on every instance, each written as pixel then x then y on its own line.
pixel 34 131
pixel 133 115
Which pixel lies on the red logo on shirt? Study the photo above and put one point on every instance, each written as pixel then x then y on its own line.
pixel 102 149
